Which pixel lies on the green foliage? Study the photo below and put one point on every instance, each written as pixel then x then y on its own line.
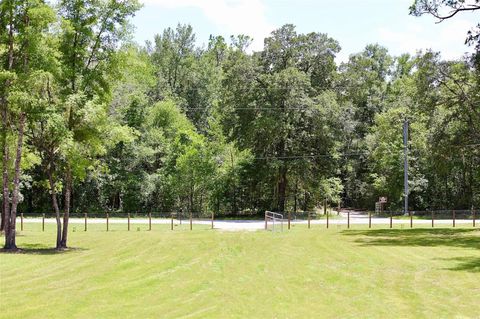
pixel 331 189
pixel 171 125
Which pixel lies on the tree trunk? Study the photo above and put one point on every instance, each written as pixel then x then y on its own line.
pixel 305 201
pixel 66 214
pixel 55 207
pixel 2 219
pixel 234 190
pixel 5 179
pixel 5 203
pixel 10 40
pixel 295 196
pixel 282 188
pixel 10 236
pixel 191 199
pixel 26 21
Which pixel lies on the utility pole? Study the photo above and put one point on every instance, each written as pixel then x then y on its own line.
pixel 405 155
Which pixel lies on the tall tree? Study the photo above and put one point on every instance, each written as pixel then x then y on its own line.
pixel 281 95
pixel 89 36
pixel 26 24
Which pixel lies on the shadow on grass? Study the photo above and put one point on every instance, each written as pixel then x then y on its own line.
pixel 38 249
pixel 471 264
pixel 461 237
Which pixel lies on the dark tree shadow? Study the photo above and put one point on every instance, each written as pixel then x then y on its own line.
pixel 39 249
pixel 471 264
pixel 424 237
pixel 462 237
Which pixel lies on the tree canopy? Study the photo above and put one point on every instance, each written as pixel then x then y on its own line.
pixel 93 122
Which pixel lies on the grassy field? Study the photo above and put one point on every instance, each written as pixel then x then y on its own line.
pixel 335 273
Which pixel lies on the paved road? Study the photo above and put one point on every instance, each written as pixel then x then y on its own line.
pixel 252 225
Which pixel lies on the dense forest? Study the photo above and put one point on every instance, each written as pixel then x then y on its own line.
pixel 93 122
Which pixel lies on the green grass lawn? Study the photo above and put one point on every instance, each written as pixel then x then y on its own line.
pixel 302 273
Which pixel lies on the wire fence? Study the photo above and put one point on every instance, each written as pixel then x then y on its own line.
pixel 130 221
pixel 135 214
pixel 427 214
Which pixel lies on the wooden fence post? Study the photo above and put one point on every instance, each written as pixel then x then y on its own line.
pixel 348 219
pixel 289 217
pixel 128 216
pixel 266 220
pixel 43 222
pixel 149 221
pixel 369 219
pixel 328 221
pixel 411 219
pixel 85 221
pixel 433 219
pixel 391 219
pixel 474 216
pixel 107 221
pixel 213 217
pixel 171 223
pixel 190 221
pixel 453 218
pixel 21 221
pixel 308 220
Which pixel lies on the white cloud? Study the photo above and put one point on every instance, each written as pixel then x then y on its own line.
pixel 232 16
pixel 447 37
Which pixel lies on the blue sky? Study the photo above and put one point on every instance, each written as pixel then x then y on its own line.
pixel 354 23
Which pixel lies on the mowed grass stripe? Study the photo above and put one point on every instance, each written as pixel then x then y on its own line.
pixel 203 273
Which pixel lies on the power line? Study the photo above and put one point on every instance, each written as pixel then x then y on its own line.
pixel 309 156
pixel 468 145
pixel 252 108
